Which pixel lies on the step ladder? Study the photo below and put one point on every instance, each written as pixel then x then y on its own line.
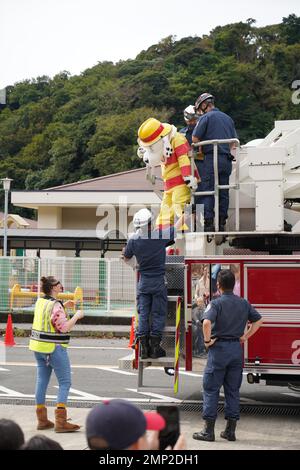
pixel 170 342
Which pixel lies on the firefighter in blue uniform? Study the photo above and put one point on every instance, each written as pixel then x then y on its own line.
pixel 224 323
pixel 214 124
pixel 149 248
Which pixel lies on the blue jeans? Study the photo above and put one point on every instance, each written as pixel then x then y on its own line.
pixel 152 304
pixel 60 363
pixel 224 367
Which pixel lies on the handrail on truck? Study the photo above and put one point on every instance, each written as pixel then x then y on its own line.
pixel 216 191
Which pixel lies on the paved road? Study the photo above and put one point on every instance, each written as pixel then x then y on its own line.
pixel 95 376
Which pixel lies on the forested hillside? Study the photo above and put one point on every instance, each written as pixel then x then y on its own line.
pixel 60 130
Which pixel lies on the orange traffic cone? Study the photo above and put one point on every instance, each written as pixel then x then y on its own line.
pixel 131 339
pixel 9 333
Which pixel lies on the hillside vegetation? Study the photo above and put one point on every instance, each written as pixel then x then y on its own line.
pixel 69 128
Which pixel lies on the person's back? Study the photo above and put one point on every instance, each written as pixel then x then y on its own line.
pixel 224 323
pixel 149 248
pixel 233 325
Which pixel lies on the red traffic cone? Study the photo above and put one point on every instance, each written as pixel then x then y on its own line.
pixel 9 333
pixel 131 339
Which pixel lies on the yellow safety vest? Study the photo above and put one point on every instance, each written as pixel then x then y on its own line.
pixel 43 336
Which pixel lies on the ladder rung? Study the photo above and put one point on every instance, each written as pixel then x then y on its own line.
pixel 169 329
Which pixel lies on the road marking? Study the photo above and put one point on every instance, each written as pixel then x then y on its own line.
pixel 189 374
pixel 83 347
pixel 83 395
pixel 292 394
pixel 118 371
pixel 2 368
pixel 9 391
pixel 155 395
pixel 73 366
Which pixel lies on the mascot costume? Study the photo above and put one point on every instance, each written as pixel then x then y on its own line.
pixel 160 143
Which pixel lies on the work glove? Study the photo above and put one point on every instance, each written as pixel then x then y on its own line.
pixel 141 152
pixel 191 182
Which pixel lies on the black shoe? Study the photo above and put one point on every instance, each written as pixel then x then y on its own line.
pixel 144 347
pixel 287 227
pixel 209 225
pixel 222 223
pixel 229 432
pixel 207 433
pixel 155 350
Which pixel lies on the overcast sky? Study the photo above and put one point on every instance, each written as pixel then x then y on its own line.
pixel 44 37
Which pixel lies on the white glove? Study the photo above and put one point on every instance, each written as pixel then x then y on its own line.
pixel 191 182
pixel 141 152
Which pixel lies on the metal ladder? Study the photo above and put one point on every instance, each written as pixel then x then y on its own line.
pixel 171 335
pixel 218 187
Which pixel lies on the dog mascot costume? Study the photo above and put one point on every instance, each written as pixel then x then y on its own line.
pixel 160 143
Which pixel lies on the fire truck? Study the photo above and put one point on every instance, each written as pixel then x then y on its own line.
pixel 262 248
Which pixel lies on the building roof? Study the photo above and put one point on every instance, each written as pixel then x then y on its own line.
pixel 132 180
pixel 15 221
pixel 63 239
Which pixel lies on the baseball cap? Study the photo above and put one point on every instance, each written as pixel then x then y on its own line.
pixel 119 423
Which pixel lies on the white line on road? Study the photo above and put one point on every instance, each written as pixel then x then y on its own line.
pixel 155 395
pixel 83 395
pixel 10 392
pixel 291 394
pixel 84 347
pixel 118 371
pixel 3 369
pixel 190 374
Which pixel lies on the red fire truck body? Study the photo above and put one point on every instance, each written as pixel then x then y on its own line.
pixel 272 285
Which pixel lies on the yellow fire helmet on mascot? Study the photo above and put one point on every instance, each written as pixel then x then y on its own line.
pixel 151 131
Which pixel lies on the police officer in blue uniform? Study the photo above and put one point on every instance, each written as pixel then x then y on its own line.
pixel 149 248
pixel 224 323
pixel 213 124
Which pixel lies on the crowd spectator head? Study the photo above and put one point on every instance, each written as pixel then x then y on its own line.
pixel 119 425
pixel 11 435
pixel 41 442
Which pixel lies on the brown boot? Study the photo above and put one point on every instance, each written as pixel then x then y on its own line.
pixel 43 422
pixel 61 423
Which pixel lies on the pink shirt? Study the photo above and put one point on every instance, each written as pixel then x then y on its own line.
pixel 59 318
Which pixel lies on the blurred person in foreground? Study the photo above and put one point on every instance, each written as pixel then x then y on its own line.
pixel 120 425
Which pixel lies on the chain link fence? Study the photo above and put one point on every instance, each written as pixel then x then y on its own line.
pixel 108 284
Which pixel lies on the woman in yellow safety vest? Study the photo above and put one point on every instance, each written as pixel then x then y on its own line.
pixel 49 341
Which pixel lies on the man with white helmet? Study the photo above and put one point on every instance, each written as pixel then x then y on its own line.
pixel 191 119
pixel 160 143
pixel 149 248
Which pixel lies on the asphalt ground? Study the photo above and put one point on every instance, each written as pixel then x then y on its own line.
pixel 96 376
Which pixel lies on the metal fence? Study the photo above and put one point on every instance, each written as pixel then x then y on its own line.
pixel 108 284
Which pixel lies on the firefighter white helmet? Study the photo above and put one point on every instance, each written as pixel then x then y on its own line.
pixel 190 113
pixel 142 218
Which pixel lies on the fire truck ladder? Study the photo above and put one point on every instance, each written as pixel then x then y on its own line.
pixel 170 342
pixel 218 187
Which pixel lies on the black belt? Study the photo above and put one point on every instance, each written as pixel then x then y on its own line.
pixel 228 339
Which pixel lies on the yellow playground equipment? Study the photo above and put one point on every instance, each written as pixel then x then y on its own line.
pixel 18 292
